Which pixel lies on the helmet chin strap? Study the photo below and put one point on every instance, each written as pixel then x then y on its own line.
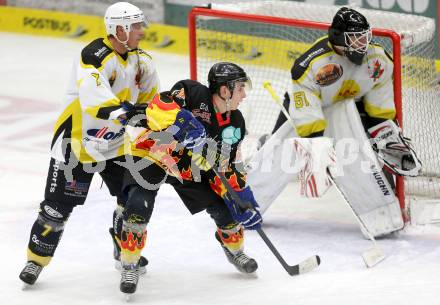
pixel 124 43
pixel 228 105
pixel 227 102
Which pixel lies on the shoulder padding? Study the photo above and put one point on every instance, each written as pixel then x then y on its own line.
pixel 302 63
pixel 194 93
pixel 95 52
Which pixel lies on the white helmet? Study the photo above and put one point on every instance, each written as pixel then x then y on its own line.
pixel 123 14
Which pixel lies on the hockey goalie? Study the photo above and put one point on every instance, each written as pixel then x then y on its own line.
pixel 343 114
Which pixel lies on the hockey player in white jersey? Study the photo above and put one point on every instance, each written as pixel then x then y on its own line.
pixel 111 81
pixel 343 89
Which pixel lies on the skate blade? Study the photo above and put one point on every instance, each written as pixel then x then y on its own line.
pixel 127 297
pixel 373 257
pixel 26 286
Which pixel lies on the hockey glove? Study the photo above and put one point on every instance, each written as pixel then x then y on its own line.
pixel 131 111
pixel 394 150
pixel 249 217
pixel 315 156
pixel 188 130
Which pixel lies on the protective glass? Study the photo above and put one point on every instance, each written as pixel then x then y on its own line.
pixel 243 83
pixel 358 41
pixel 138 26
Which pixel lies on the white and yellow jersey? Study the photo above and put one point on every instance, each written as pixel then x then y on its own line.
pixel 321 78
pixel 100 80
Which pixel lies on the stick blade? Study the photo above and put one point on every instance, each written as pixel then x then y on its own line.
pixel 305 266
pixel 373 257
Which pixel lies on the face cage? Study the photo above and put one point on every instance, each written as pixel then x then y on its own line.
pixel 244 82
pixel 358 41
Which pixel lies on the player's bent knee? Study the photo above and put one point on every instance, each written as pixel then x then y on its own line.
pixel 139 205
pixel 51 211
pixel 220 214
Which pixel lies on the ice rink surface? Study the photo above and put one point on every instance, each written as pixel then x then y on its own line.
pixel 187 266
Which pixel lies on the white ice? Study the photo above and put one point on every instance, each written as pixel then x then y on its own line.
pixel 187 265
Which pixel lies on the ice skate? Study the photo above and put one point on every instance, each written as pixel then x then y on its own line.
pixel 240 260
pixel 129 281
pixel 30 273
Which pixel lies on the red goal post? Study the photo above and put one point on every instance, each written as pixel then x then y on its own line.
pixel 201 53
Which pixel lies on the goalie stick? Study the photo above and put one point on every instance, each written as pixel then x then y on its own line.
pixel 372 256
pixel 300 268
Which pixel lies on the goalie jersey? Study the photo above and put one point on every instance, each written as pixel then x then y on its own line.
pixel 321 78
pixel 100 80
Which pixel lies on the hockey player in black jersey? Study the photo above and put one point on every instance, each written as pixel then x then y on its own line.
pixel 108 81
pixel 184 127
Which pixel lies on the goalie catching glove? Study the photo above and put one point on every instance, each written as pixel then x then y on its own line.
pixel 316 156
pixel 249 217
pixel 394 150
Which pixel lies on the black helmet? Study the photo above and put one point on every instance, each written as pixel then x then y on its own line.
pixel 351 30
pixel 226 74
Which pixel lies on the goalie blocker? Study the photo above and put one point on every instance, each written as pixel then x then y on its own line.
pixel 358 164
pixel 393 150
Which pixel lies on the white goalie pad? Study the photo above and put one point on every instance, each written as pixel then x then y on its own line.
pixel 273 166
pixel 359 174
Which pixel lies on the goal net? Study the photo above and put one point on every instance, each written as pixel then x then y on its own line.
pixel 265 37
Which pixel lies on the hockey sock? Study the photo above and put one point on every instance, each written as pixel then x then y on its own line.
pixel 133 239
pixel 46 232
pixel 116 231
pixel 231 237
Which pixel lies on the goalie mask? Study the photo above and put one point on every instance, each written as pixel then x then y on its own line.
pixel 227 74
pixel 125 15
pixel 351 31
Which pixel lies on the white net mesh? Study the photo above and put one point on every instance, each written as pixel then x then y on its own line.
pixel 267 51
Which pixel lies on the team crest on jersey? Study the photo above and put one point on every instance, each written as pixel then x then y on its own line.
pixel 328 74
pixel 377 70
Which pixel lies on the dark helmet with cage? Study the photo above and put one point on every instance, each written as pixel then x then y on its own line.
pixel 351 31
pixel 227 74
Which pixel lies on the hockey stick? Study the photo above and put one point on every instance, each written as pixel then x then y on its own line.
pixel 300 268
pixel 371 257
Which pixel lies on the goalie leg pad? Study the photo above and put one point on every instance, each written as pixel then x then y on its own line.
pixel 359 175
pixel 270 164
pixel 316 155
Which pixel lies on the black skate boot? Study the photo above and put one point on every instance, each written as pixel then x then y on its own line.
pixel 143 262
pixel 129 280
pixel 30 273
pixel 240 260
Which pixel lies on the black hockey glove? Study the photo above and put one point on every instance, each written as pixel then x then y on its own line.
pixel 134 115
